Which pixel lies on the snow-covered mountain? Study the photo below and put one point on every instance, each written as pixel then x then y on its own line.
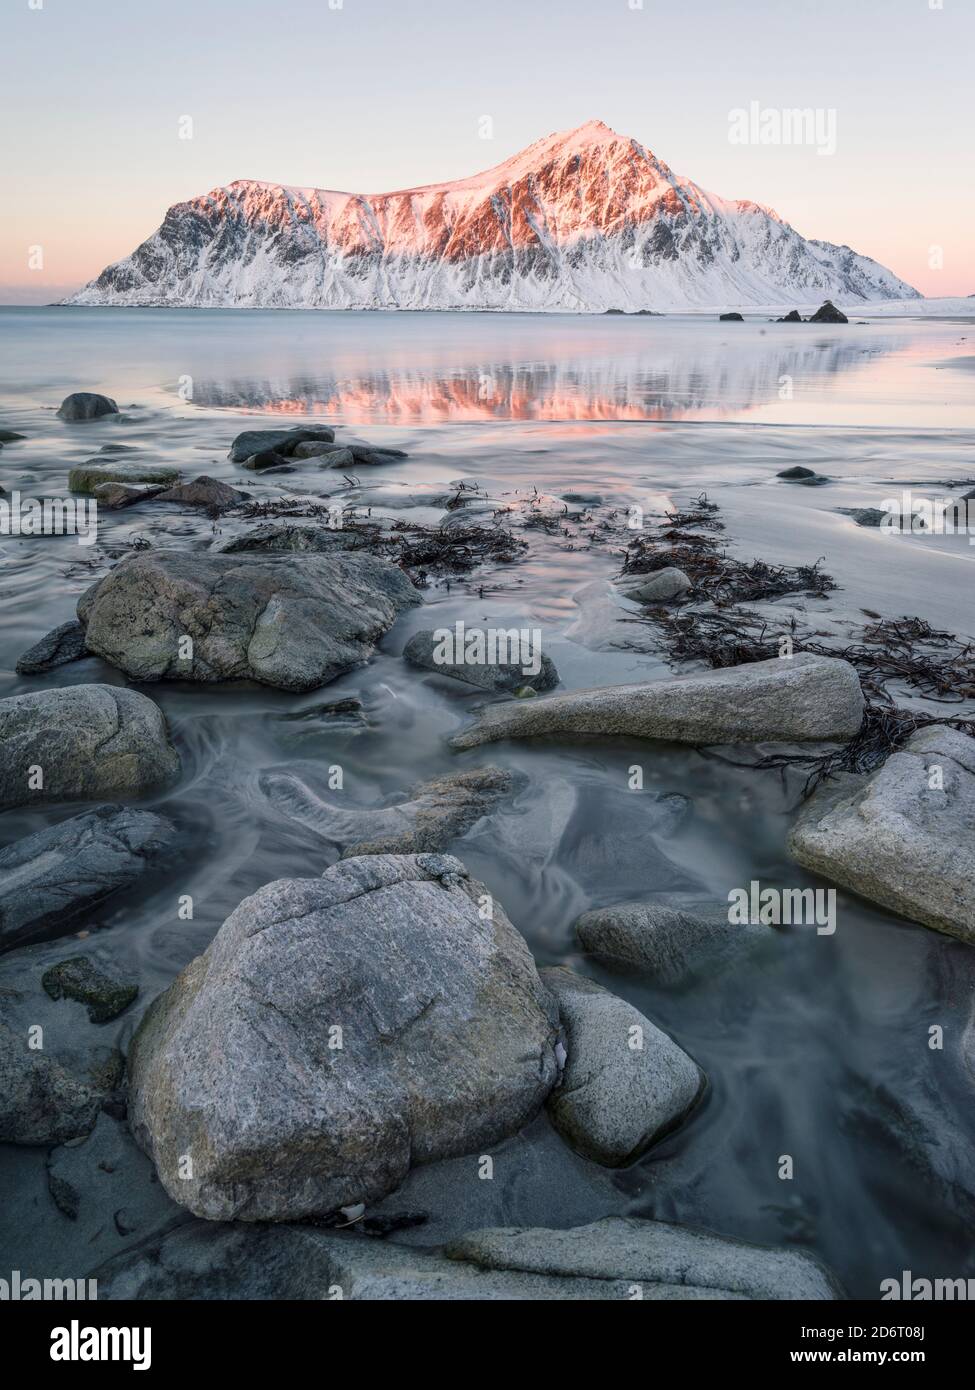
pixel 584 220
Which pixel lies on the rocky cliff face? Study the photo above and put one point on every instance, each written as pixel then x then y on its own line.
pixel 586 220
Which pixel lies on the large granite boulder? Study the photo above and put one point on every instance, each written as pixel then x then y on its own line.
pixel 336 1032
pixel 293 624
pixel 50 879
pixel 86 405
pixel 787 699
pixel 903 836
pixel 625 1084
pixel 667 1261
pixel 82 743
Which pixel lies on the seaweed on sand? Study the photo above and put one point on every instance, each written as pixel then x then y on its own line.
pixel 718 576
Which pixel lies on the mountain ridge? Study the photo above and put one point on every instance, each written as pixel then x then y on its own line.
pixel 581 220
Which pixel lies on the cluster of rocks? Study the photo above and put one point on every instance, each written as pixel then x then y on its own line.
pixel 826 313
pixel 264 450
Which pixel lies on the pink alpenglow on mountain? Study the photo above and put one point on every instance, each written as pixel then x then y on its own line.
pixel 584 221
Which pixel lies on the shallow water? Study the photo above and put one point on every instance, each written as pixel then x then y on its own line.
pixel 817 1047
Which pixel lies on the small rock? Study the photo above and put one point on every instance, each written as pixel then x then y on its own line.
pixel 63 644
pixel 282 442
pixel 587 499
pixel 287 539
pixel 86 405
pixel 730 318
pixel 794 474
pixel 662 586
pixel 119 495
pixel 425 649
pixel 669 942
pixel 40 1102
pixel 266 460
pixel 80 979
pixel 89 741
pixel 804 697
pixel 793 316
pixel 615 1099
pixel 10 436
pixel 204 492
pixel 828 313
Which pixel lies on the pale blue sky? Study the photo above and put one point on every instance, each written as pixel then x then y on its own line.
pixel 379 94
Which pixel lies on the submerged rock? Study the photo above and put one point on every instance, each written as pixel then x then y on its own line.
pixel 685 1262
pixel 795 473
pixel 86 477
pixel 380 996
pixel 79 978
pixel 424 648
pixel 662 586
pixel 903 836
pixel 804 697
pixel 828 313
pixel 57 648
pixel 625 1083
pixel 82 743
pixel 267 461
pixel 40 1101
pixel 10 436
pixel 437 812
pixel 669 942
pixel 283 442
pixel 86 405
pixel 204 492
pixel 292 625
pixel 51 878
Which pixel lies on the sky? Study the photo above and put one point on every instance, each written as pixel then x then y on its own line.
pixel 373 95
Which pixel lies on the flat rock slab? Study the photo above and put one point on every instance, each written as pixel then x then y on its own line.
pixel 651 1253
pixel 804 697
pixel 625 1084
pixel 670 942
pixel 282 442
pixel 468 658
pixel 662 586
pixel 86 742
pixel 436 813
pixel 903 836
pixel 51 879
pixel 86 477
pixel 291 623
pixel 57 648
pixel 445 1044
pixel 86 405
pixel 205 1260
